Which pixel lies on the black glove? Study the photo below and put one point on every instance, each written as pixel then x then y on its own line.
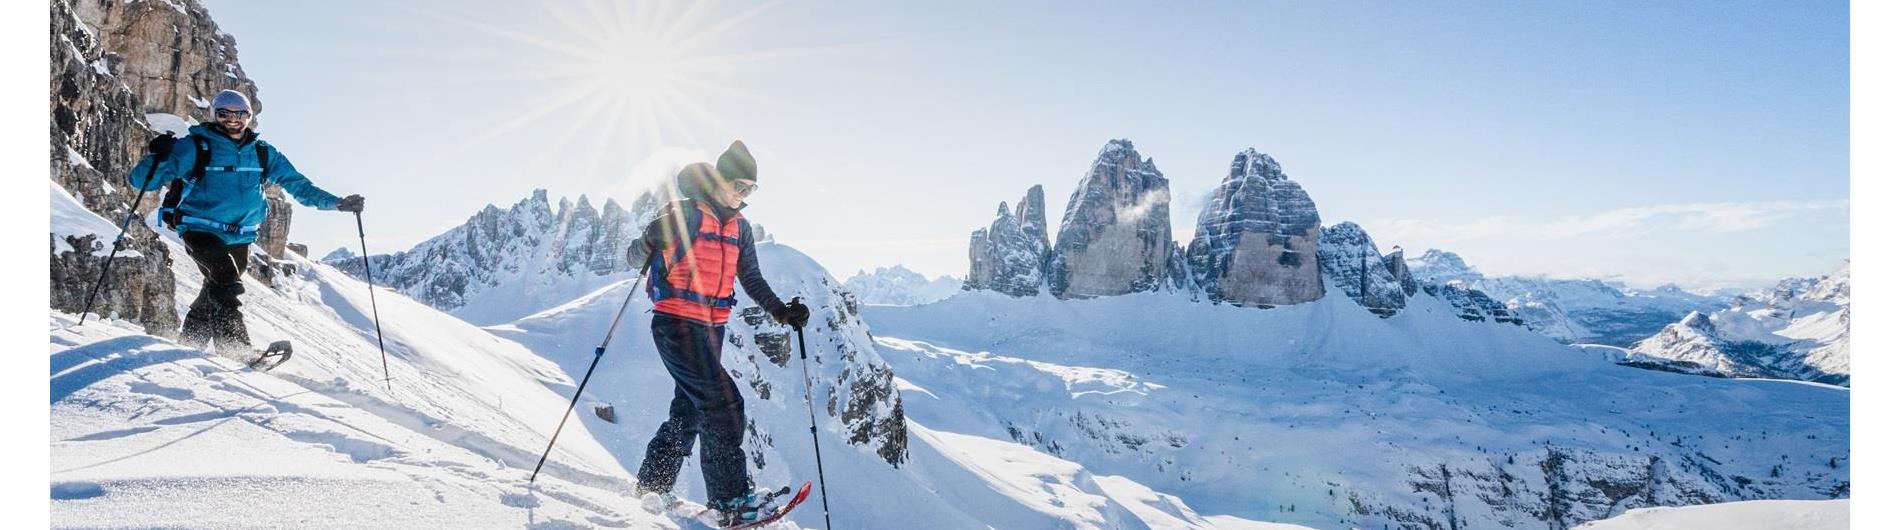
pixel 353 203
pixel 794 314
pixel 161 147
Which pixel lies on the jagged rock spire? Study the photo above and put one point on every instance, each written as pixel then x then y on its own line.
pixel 1257 240
pixel 1115 236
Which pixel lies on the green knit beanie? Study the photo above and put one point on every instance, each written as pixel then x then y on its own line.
pixel 737 164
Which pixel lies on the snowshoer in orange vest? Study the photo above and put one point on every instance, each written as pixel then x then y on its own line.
pixel 692 253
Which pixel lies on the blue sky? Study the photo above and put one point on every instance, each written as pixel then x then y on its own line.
pixel 1701 143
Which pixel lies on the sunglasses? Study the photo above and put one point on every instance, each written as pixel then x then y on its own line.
pixel 744 188
pixel 240 114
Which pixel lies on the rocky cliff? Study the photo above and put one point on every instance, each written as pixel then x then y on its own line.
pixel 1035 219
pixel 1257 241
pixel 1010 256
pixel 1395 264
pixel 121 72
pixel 1352 264
pixel 1115 236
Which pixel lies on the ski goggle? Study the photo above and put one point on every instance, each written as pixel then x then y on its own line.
pixel 239 114
pixel 745 188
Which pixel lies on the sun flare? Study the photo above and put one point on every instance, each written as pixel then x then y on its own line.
pixel 623 79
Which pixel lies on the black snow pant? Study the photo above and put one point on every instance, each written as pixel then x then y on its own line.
pixel 706 405
pixel 214 315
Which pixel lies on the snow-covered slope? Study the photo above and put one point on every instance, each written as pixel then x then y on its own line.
pixel 1795 330
pixel 898 285
pixel 141 425
pixel 883 470
pixel 1746 515
pixel 1326 415
pixel 147 434
pixel 1571 310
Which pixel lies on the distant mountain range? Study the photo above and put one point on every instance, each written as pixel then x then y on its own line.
pixel 897 285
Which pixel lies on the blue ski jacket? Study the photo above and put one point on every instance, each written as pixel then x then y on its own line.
pixel 228 200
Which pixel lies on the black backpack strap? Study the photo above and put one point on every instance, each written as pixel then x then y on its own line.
pixel 168 207
pixel 263 163
pixel 202 162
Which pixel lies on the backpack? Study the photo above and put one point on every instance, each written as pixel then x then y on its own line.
pixel 168 208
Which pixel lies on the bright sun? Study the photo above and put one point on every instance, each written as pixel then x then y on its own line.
pixel 623 78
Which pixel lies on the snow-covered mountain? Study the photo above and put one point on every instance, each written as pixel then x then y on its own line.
pixel 1386 394
pixel 1571 310
pixel 506 264
pixel 148 433
pixel 1327 415
pixel 1797 329
pixel 897 285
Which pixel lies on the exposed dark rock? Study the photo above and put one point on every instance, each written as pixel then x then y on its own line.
pixel 1257 242
pixel 1115 236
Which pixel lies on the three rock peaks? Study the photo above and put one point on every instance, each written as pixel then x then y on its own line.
pixel 1258 243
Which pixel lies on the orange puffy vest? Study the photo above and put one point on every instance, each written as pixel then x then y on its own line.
pixel 698 277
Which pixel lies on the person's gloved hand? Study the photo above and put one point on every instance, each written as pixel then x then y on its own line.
pixel 794 314
pixel 353 203
pixel 161 147
pixel 637 253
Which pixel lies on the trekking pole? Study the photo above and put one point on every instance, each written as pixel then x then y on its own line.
pixel 371 278
pixel 824 498
pixel 117 241
pixel 598 353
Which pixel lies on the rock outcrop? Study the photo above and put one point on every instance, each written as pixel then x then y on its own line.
pixel 1035 219
pixel 1395 264
pixel 1007 257
pixel 1473 304
pixel 171 57
pixel 1115 236
pixel 1257 242
pixel 1353 265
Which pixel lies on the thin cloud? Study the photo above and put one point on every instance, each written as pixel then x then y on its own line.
pixel 1718 217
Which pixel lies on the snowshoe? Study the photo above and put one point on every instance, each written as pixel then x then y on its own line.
pixel 755 509
pixel 272 356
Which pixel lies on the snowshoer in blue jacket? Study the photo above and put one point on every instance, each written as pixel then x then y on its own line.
pixel 222 167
